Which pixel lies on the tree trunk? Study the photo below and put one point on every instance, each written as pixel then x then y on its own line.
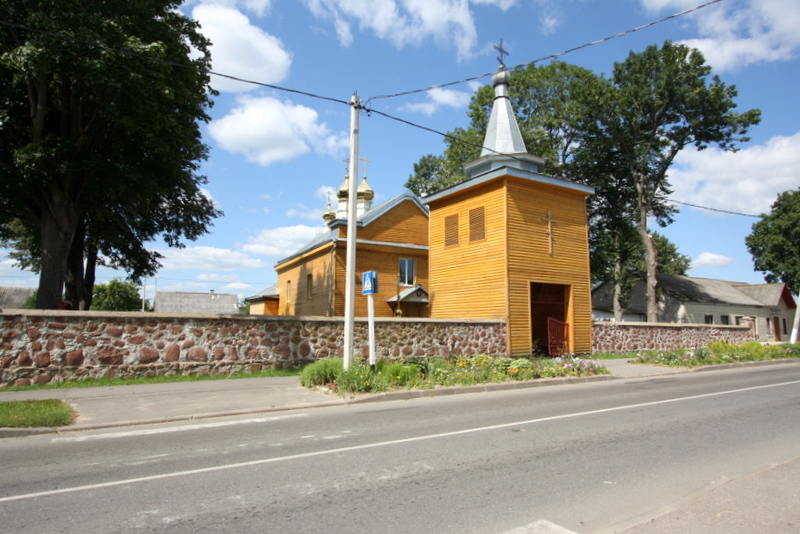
pixel 651 254
pixel 618 308
pixel 89 275
pixel 58 229
pixel 73 279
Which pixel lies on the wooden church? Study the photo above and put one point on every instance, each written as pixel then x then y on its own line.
pixel 511 243
pixel 508 243
pixel 392 238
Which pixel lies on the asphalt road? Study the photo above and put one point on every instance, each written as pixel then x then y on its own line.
pixel 600 457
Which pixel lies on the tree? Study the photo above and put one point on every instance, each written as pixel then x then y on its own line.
pixel 659 103
pixel 118 295
pixel 99 137
pixel 774 244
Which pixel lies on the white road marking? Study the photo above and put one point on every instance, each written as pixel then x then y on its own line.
pixel 352 448
pixel 148 432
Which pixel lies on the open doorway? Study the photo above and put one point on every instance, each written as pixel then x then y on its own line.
pixel 549 304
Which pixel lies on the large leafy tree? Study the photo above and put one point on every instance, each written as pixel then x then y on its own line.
pixel 774 242
pixel 661 101
pixel 99 137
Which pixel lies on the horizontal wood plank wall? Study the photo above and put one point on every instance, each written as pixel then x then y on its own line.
pixel 530 259
pixel 318 266
pixel 405 223
pixel 469 280
pixel 385 260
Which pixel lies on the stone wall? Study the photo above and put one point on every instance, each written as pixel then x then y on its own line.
pixel 610 337
pixel 40 346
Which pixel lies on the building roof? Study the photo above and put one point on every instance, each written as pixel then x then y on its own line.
pixel 703 290
pixel 268 294
pixel 221 303
pixel 504 152
pixel 411 294
pixel 331 233
pixel 15 297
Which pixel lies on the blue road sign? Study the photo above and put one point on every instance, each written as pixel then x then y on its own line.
pixel 369 282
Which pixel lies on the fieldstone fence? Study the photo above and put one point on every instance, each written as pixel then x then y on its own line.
pixel 39 346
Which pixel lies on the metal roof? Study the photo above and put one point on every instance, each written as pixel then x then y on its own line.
pixel 222 303
pixel 686 288
pixel 15 297
pixel 331 233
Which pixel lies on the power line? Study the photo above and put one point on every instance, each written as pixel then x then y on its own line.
pixel 714 209
pixel 551 56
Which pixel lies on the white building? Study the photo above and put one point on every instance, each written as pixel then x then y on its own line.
pixel 682 299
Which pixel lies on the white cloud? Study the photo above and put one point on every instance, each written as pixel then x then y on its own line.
pixel 241 49
pixel 208 259
pixel 311 214
pixel 709 259
pixel 213 277
pixel 258 7
pixel 238 287
pixel 740 32
pixel 747 181
pixel 406 22
pixel 266 130
pixel 442 97
pixel 279 243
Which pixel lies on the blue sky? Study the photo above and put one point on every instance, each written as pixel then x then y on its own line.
pixel 275 154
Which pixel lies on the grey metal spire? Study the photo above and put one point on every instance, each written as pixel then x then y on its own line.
pixel 502 135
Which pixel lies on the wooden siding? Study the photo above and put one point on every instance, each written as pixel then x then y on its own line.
pixel 405 223
pixel 265 307
pixel 491 278
pixel 386 261
pixel 318 266
pixel 469 279
pixel 530 260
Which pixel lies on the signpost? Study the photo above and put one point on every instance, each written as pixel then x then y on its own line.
pixel 369 286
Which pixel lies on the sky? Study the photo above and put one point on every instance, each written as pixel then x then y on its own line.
pixel 274 154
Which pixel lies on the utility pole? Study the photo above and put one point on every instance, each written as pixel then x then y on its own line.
pixel 350 269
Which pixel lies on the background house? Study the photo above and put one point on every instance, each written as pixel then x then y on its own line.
pixel 683 299
pixel 211 302
pixel 15 297
pixel 266 302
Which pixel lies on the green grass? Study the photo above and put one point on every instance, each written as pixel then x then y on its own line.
pixel 428 373
pixel 161 379
pixel 35 413
pixel 718 353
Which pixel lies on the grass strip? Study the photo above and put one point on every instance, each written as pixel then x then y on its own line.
pixel 35 413
pixel 160 379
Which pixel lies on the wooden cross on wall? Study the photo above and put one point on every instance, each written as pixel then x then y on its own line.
pixel 550 221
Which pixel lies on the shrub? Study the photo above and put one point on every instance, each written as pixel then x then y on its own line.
pixel 321 373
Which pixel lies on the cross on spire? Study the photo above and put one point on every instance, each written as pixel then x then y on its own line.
pixel 549 220
pixel 365 160
pixel 346 161
pixel 503 52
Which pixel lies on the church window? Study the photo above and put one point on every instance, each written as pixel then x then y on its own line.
pixel 309 285
pixel 288 291
pixel 451 230
pixel 477 224
pixel 406 272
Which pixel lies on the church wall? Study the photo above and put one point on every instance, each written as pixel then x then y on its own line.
pixel 530 260
pixel 385 260
pixel 468 279
pixel 405 223
pixel 296 296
